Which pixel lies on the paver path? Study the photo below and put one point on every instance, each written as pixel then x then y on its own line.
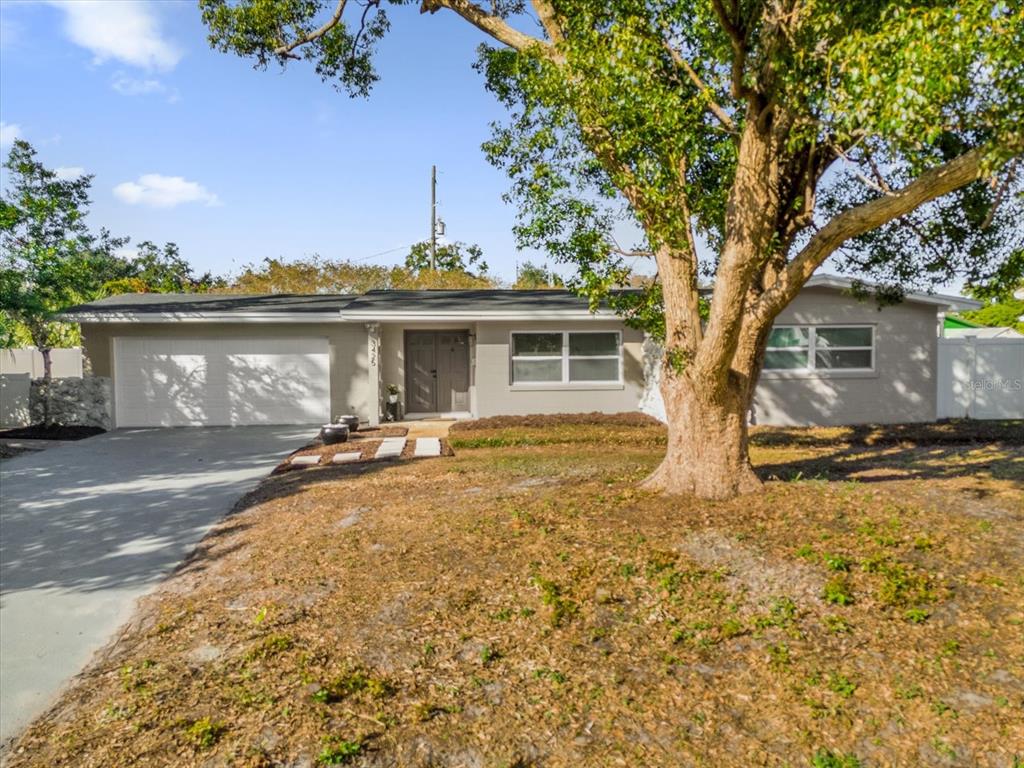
pixel 88 527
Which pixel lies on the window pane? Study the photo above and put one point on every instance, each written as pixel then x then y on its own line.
pixel 536 344
pixel 788 337
pixel 581 369
pixel 583 344
pixel 843 337
pixel 785 360
pixel 849 358
pixel 536 370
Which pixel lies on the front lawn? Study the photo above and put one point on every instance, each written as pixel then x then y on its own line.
pixel 522 604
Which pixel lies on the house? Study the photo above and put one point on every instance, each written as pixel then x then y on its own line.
pixel 213 359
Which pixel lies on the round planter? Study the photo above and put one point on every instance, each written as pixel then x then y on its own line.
pixel 334 433
pixel 392 399
pixel 351 421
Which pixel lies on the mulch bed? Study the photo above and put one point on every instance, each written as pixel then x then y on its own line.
pixel 51 432
pixel 366 441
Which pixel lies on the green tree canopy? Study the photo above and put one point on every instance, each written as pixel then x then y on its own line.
pixel 49 259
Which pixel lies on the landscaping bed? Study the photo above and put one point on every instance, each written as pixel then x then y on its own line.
pixel 532 607
pixel 51 432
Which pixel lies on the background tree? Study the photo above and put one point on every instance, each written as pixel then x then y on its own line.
pixel 49 260
pixel 320 275
pixel 781 133
pixel 530 276
pixel 160 270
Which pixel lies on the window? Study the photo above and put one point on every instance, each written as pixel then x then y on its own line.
pixel 566 357
pixel 820 348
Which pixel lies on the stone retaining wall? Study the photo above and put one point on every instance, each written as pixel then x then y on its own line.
pixel 86 401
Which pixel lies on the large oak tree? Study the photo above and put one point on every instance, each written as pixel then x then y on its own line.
pixel 779 133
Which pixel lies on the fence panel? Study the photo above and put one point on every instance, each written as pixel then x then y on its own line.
pixel 981 378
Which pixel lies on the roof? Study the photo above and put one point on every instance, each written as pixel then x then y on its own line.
pixel 979 332
pixel 951 321
pixel 388 306
pixel 209 306
pixel 490 304
pixel 943 300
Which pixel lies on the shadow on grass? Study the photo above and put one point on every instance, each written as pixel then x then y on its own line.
pixel 902 462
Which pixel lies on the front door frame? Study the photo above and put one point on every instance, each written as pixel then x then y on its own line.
pixel 436 333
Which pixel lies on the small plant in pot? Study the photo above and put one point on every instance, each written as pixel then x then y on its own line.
pixel 392 393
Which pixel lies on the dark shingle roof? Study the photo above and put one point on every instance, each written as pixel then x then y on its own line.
pixel 146 303
pixel 466 301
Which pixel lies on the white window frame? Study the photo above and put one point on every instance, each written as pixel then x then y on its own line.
pixel 565 357
pixel 812 347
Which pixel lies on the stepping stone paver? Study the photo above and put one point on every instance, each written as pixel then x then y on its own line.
pixel 390 448
pixel 305 461
pixel 345 458
pixel 427 446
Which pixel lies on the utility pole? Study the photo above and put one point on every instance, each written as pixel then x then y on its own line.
pixel 433 218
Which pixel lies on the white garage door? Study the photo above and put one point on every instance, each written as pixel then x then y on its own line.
pixel 213 382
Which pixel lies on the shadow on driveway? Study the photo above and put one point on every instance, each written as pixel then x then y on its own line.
pixel 88 527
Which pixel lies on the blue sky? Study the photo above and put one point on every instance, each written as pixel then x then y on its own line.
pixel 235 164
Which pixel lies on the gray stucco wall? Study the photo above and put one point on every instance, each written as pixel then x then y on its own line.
pixel 496 396
pixel 902 387
pixel 347 343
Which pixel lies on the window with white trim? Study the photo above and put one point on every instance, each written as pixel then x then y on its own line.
pixel 820 348
pixel 566 357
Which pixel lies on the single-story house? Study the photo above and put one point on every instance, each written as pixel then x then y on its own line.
pixel 215 359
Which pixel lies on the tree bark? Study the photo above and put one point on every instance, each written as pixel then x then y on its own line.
pixel 706 454
pixel 48 378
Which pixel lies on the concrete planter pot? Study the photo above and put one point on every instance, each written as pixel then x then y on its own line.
pixel 334 433
pixel 350 420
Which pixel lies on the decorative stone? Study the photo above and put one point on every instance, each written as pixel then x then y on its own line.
pixel 390 448
pixel 305 461
pixel 81 401
pixel 345 458
pixel 427 446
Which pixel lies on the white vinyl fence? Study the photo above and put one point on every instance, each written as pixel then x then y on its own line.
pixel 981 378
pixel 14 399
pixel 64 362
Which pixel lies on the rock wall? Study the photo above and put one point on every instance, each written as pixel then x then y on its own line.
pixel 85 401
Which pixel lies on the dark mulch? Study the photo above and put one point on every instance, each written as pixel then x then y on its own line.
pixel 51 432
pixel 628 419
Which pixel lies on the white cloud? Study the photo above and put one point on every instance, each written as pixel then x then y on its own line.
pixel 157 191
pixel 68 172
pixel 8 133
pixel 134 86
pixel 125 30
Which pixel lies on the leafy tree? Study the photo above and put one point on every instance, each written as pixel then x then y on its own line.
pixel 160 270
pixel 450 257
pixel 49 260
pixel 532 276
pixel 319 275
pixel 882 134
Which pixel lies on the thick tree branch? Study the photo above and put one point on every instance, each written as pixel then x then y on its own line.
pixel 549 20
pixel 713 107
pixel 285 49
pixel 864 218
pixel 495 26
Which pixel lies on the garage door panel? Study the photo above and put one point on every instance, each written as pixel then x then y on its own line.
pixel 194 382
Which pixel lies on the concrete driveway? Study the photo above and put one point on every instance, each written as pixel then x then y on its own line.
pixel 88 527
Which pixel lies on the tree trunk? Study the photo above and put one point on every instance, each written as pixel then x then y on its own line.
pixel 47 377
pixel 707 440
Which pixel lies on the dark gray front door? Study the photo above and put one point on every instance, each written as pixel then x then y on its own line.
pixel 436 371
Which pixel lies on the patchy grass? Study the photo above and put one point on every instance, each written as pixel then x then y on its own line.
pixel 523 603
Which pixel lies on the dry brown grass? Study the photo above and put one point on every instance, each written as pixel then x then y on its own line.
pixel 523 604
